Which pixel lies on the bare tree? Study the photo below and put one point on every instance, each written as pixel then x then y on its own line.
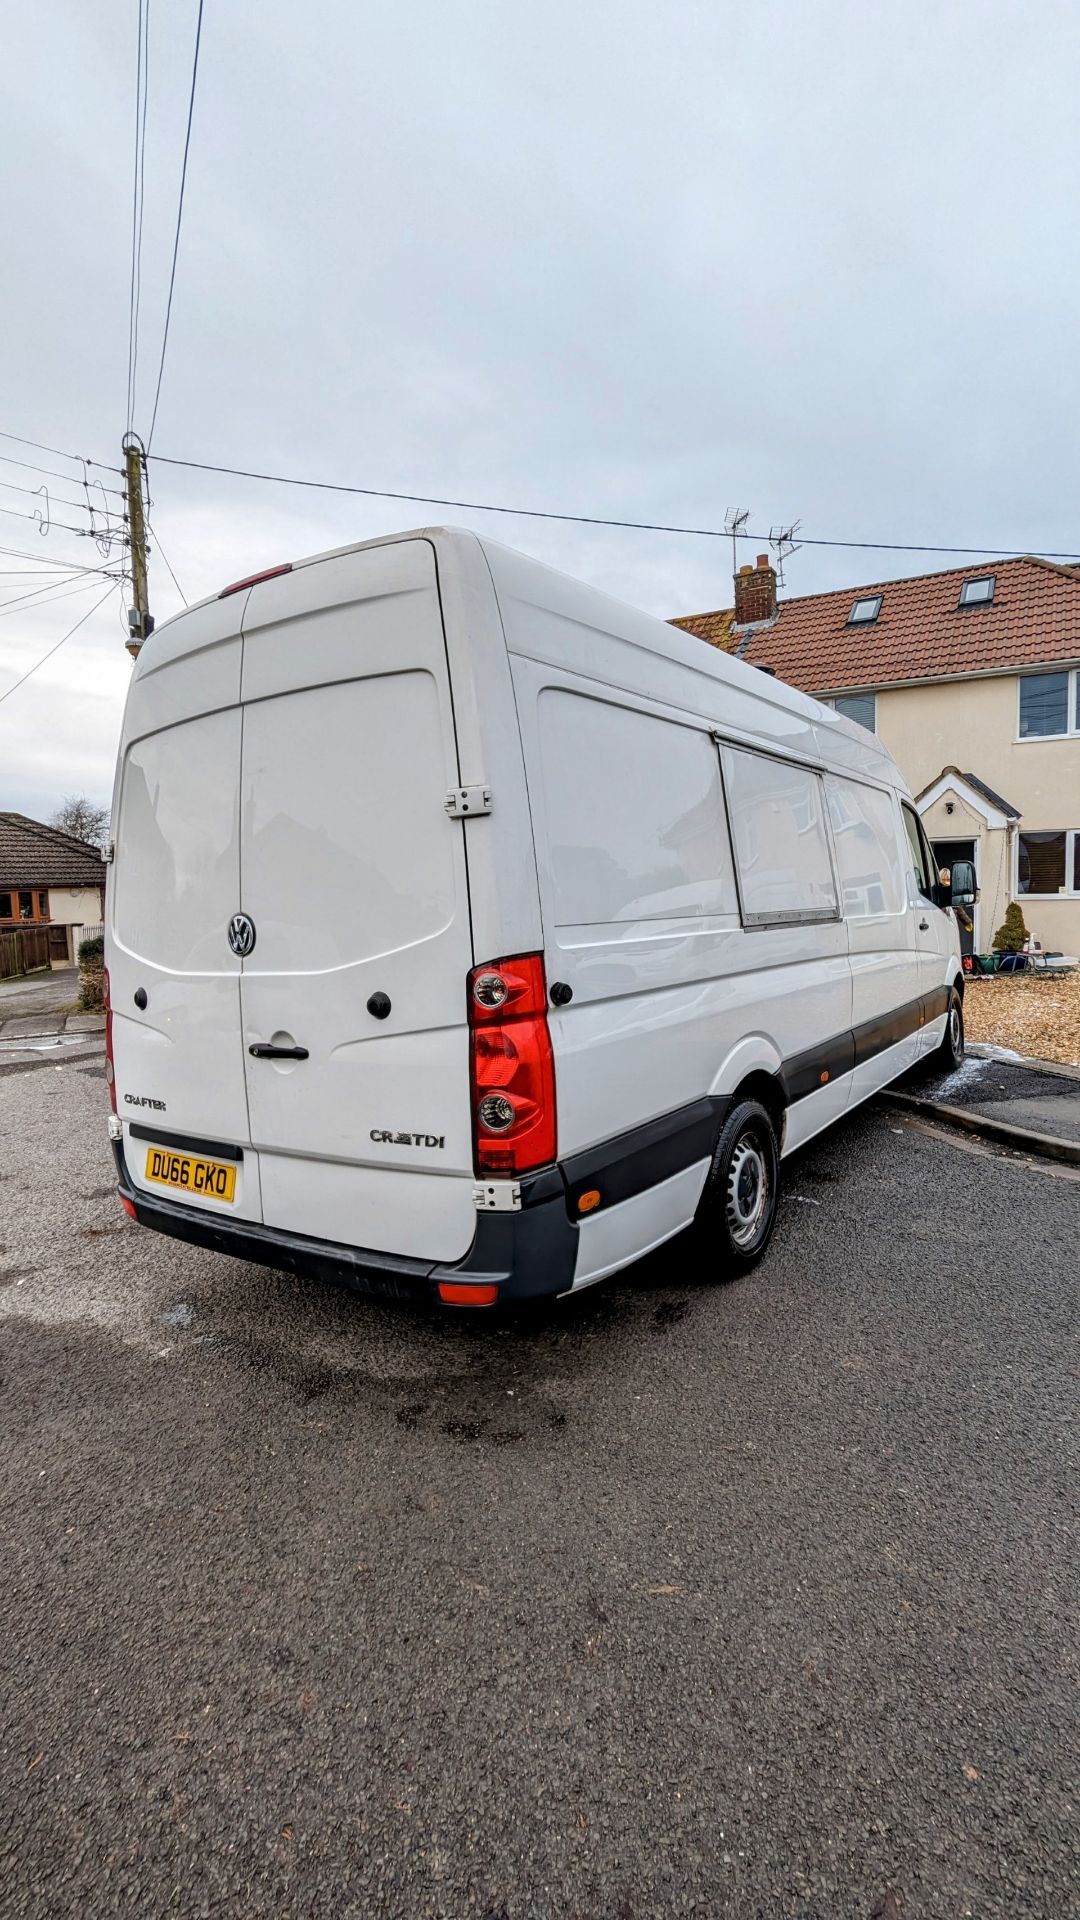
pixel 82 819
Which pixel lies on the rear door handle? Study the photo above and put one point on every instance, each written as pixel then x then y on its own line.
pixel 262 1050
pixel 924 927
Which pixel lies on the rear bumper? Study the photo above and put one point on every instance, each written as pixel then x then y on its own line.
pixel 524 1254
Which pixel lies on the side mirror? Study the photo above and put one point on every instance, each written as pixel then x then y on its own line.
pixel 964 885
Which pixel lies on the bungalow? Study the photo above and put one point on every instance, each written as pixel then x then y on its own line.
pixel 48 878
pixel 971 678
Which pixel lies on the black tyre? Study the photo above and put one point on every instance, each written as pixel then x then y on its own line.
pixel 951 1051
pixel 739 1205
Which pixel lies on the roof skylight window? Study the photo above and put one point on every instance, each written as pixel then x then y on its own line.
pixel 865 610
pixel 977 593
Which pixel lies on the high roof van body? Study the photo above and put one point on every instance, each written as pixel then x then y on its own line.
pixel 469 933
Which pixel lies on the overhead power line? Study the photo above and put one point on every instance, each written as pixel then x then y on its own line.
pixel 52 590
pixel 78 506
pixel 160 549
pixel 59 572
pixel 66 566
pixel 40 447
pixel 57 526
pixel 81 622
pixel 142 91
pixel 54 473
pixel 179 220
pixel 601 520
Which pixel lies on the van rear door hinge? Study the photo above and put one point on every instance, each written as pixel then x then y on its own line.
pixel 463 802
pixel 108 853
pixel 498 1196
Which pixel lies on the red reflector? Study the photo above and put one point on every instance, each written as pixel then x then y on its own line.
pixel 128 1206
pixel 253 580
pixel 512 1066
pixel 454 1295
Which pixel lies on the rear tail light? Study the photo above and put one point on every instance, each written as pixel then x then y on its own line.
pixel 512 1066
pixel 110 1072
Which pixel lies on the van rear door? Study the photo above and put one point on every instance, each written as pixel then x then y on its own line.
pixel 178 1057
pixel 354 878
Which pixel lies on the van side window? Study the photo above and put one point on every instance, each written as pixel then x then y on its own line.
pixel 920 862
pixel 634 813
pixel 867 850
pixel 778 827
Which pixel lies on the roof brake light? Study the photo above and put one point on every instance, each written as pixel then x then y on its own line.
pixel 253 580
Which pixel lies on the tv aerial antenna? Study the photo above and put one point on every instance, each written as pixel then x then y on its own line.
pixel 735 520
pixel 783 543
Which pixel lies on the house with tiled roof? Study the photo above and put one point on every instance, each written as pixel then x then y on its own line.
pixel 49 879
pixel 971 678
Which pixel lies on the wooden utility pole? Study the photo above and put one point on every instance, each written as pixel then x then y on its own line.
pixel 140 618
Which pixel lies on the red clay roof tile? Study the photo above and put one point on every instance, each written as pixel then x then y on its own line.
pixel 921 632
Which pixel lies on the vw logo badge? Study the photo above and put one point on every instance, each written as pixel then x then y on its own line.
pixel 241 934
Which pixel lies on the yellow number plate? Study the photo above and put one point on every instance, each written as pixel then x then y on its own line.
pixel 183 1170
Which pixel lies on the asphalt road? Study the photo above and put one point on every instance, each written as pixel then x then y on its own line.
pixel 1022 1096
pixel 753 1599
pixel 39 993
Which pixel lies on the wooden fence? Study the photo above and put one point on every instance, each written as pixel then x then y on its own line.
pixel 23 950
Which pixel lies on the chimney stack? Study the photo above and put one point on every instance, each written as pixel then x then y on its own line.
pixel 755 592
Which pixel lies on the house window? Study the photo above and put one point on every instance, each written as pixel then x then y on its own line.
pixel 1048 864
pixel 1049 704
pixel 977 593
pixel 5 907
pixel 26 906
pixel 865 610
pixel 43 906
pixel 856 706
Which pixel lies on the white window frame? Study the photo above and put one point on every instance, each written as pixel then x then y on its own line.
pixel 1072 731
pixel 1072 835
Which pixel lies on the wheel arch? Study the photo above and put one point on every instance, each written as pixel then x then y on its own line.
pixel 767 1090
pixel 751 1071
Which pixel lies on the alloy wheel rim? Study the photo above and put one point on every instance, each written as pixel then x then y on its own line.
pixel 956 1031
pixel 747 1195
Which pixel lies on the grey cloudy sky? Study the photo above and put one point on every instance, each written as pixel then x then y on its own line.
pixel 817 259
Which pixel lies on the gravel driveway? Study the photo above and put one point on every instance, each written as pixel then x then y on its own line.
pixel 1029 1015
pixel 683 1598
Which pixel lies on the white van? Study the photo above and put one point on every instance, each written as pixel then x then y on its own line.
pixel 470 933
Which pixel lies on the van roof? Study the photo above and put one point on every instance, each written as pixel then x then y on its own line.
pixel 651 630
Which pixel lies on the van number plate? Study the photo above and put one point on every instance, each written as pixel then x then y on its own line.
pixel 190 1175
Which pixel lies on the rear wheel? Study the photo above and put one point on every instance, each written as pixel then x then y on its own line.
pixel 951 1051
pixel 738 1208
